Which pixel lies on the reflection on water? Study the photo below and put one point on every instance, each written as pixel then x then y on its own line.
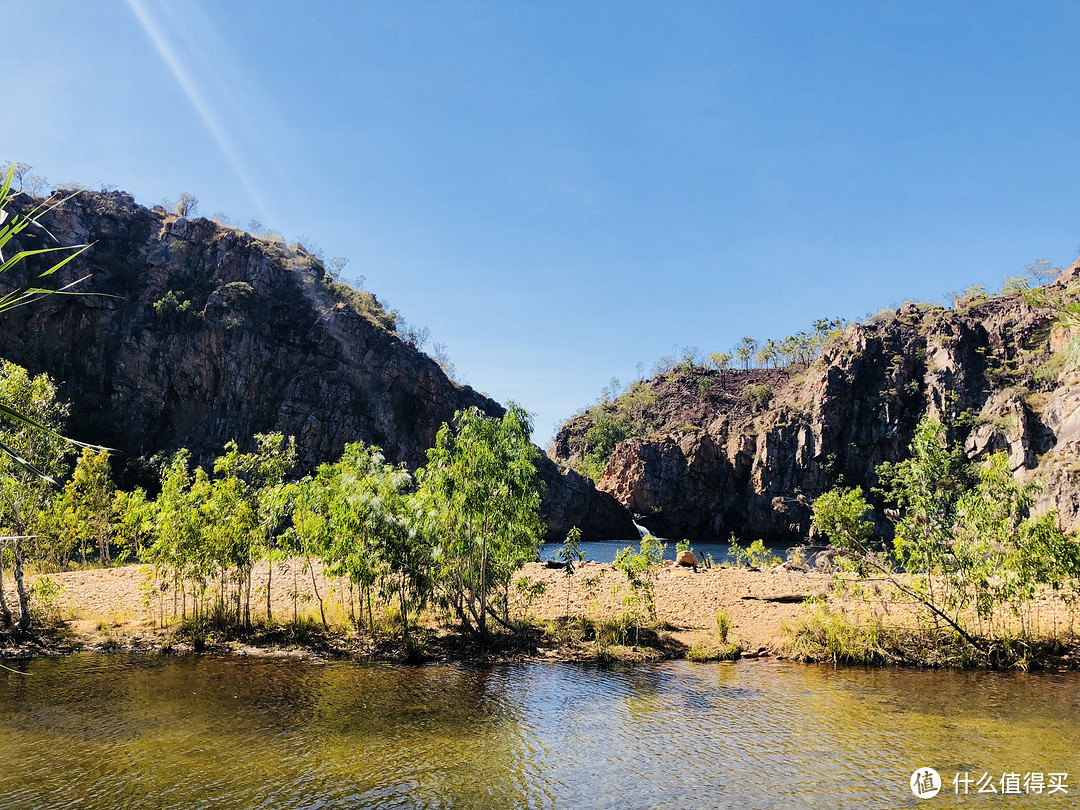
pixel 127 732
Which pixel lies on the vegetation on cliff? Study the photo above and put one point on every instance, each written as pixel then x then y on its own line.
pixel 717 450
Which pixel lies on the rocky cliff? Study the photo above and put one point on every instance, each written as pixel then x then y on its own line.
pixel 196 334
pixel 719 452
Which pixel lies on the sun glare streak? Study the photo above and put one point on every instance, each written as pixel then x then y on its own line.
pixel 198 101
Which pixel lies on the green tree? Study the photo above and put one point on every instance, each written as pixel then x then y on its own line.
pixel 640 569
pixel 362 518
pixel 745 351
pixel 768 356
pixel 841 515
pixel 88 501
pixel 570 555
pixel 177 552
pixel 36 456
pixel 927 487
pixel 482 493
pixel 262 489
pixel 720 361
pixel 133 520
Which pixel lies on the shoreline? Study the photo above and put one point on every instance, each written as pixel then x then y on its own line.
pixel 104 610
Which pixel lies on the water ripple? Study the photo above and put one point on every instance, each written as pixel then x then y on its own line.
pixel 123 731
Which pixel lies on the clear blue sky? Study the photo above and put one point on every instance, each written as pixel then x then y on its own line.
pixel 559 190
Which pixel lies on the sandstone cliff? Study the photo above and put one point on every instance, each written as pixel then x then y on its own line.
pixel 199 333
pixel 733 451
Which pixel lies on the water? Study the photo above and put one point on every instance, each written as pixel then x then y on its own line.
pixel 203 732
pixel 605 551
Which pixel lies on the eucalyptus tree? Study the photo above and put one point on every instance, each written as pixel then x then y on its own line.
pixel 229 540
pixel 768 356
pixel 967 541
pixel 361 517
pixel 35 457
pixel 177 551
pixel 745 350
pixel 86 505
pixel 133 520
pixel 570 555
pixel 481 492
pixel 720 360
pixel 398 538
pixel 333 524
pixel 260 486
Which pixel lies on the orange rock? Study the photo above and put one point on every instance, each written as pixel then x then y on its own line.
pixel 686 558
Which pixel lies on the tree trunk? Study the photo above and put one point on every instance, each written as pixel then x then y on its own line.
pixel 269 580
pixel 24 597
pixel 315 586
pixel 5 613
pixel 481 619
pixel 370 615
pixel 404 612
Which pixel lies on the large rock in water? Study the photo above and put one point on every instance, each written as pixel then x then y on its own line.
pixel 198 333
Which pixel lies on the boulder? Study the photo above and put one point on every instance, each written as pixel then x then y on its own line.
pixel 686 558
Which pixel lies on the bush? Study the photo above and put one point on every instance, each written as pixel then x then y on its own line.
pixel 757 397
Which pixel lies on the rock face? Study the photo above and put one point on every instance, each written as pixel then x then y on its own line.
pixel 198 333
pixel 717 461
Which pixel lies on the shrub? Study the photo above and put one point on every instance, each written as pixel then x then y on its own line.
pixel 757 397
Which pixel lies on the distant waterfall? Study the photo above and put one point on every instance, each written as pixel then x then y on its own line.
pixel 641 530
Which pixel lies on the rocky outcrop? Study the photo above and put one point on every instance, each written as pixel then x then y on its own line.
pixel 989 369
pixel 192 334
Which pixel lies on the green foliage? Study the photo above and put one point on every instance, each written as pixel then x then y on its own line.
pixel 208 532
pixel 482 495
pixel 723 625
pixel 965 539
pixel 970 296
pixel 927 486
pixel 1047 375
pixel 757 396
pixel 726 651
pixel 720 361
pixel 133 521
pixel 611 423
pixel 36 454
pixel 841 515
pixel 745 350
pixel 83 514
pixel 570 555
pixel 11 226
pixel 640 569
pixel 721 649
pixel 755 556
pixel 43 605
pixel 362 518
pixel 824 635
pixel 171 304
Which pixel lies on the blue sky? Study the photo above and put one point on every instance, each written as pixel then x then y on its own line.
pixel 560 190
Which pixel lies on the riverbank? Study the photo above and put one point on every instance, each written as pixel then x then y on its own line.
pixel 700 614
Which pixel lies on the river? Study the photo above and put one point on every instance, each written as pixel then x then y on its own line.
pixel 604 551
pixel 122 731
